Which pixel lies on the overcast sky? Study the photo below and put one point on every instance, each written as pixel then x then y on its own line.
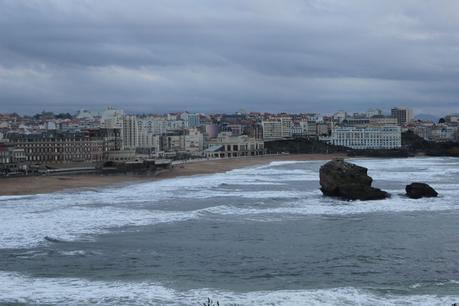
pixel 222 56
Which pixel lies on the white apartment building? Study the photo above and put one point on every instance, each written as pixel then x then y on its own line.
pixel 277 128
pixel 382 137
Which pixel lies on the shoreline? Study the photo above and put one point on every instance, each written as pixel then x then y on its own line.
pixel 47 184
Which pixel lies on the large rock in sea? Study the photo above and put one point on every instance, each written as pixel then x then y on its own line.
pixel 420 190
pixel 348 181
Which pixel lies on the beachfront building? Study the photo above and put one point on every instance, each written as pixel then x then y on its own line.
pixel 57 147
pixel 226 145
pixel 382 137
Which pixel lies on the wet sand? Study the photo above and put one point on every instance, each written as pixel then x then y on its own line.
pixel 47 184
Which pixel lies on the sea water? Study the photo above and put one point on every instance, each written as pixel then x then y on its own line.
pixel 261 235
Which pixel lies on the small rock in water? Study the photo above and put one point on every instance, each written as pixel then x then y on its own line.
pixel 420 190
pixel 348 181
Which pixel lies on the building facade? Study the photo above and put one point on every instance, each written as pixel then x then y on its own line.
pixel 57 147
pixel 384 137
pixel 227 145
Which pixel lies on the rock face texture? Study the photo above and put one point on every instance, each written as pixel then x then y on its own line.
pixel 348 182
pixel 420 190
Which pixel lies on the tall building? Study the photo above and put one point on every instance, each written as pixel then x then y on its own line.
pixel 130 132
pixel 403 114
pixel 277 128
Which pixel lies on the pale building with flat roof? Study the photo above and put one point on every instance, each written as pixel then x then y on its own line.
pixel 381 137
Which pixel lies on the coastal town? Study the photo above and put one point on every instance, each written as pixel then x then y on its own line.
pixel 53 143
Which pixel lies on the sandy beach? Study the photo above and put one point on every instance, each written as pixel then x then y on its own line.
pixel 47 184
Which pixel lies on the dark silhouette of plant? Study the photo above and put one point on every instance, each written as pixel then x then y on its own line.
pixel 211 303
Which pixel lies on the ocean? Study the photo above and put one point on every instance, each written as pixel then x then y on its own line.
pixel 261 235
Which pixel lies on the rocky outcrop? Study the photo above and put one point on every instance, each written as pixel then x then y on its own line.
pixel 348 181
pixel 420 190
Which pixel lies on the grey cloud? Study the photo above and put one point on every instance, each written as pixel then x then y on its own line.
pixel 221 56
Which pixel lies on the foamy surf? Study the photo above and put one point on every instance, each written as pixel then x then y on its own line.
pixel 18 288
pixel 277 191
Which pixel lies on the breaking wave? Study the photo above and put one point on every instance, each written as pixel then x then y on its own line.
pixel 17 288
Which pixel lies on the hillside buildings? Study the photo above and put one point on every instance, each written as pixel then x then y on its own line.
pixel 92 137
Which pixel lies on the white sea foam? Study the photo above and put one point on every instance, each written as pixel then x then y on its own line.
pixel 28 228
pixel 18 288
pixel 26 220
pixel 421 168
pixel 165 189
pixel 321 206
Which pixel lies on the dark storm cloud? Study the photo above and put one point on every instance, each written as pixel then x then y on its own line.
pixel 225 55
